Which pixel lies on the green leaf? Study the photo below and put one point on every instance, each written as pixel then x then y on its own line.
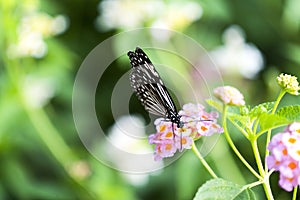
pixel 244 120
pixel 218 106
pixel 290 112
pixel 234 109
pixel 244 110
pixel 219 189
pixel 261 108
pixel 239 114
pixel 270 121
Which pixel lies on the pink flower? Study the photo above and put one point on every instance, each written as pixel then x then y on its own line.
pixel 168 138
pixel 285 156
pixel 229 95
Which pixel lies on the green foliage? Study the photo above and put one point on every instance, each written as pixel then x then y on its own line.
pixel 242 119
pixel 262 114
pixel 220 189
pixel 38 144
pixel 270 121
pixel 261 109
pixel 291 113
pixel 215 104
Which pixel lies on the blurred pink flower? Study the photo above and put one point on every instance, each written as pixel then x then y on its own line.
pixel 229 95
pixel 285 156
pixel 168 138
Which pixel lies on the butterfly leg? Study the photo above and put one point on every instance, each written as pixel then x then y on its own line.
pixel 174 136
pixel 173 131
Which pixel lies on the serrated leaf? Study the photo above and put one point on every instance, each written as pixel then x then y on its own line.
pixel 244 120
pixel 233 109
pixel 261 108
pixel 270 121
pixel 290 112
pixel 218 106
pixel 220 189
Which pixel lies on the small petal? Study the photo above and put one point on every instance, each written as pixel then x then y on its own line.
pixel 293 128
pixel 272 162
pixel 184 142
pixel 229 95
pixel 287 183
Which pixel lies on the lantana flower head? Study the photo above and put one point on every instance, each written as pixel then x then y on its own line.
pixel 288 83
pixel 285 156
pixel 168 138
pixel 229 95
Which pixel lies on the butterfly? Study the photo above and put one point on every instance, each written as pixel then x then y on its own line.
pixel 150 89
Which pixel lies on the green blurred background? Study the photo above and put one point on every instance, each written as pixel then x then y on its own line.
pixel 42 45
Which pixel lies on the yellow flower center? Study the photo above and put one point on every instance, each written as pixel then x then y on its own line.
pixel 292 165
pixel 162 128
pixel 169 134
pixel 292 140
pixel 168 146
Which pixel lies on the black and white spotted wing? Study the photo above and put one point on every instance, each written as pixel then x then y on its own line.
pixel 149 87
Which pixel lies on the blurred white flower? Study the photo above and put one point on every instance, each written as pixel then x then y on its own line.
pixel 236 56
pixel 43 23
pixel 32 30
pixel 38 91
pixel 176 16
pixel 30 44
pixel 124 14
pixel 128 135
pixel 59 24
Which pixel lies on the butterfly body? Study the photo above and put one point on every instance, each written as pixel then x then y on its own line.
pixel 150 88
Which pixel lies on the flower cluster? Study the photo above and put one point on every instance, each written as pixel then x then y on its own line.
pixel 229 95
pixel 288 83
pixel 285 156
pixel 168 138
pixel 33 29
pixel 175 15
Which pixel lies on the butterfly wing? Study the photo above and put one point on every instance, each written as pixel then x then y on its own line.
pixel 148 85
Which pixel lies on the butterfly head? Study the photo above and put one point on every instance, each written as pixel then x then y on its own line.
pixel 180 124
pixel 176 119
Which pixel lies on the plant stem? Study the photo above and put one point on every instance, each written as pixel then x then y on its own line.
pixel 233 147
pixel 51 137
pixel 41 122
pixel 251 185
pixel 16 72
pixel 46 130
pixel 281 94
pixel 268 190
pixel 202 160
pixel 255 126
pixel 263 174
pixel 295 193
pixel 257 157
pixel 240 129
